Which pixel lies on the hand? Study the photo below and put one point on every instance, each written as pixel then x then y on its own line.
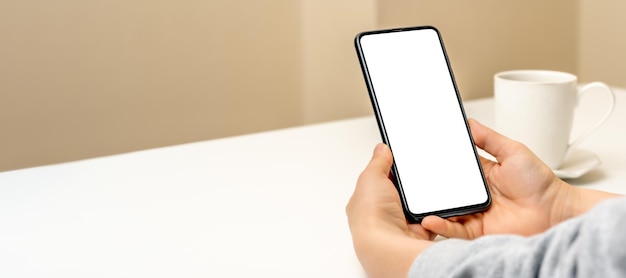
pixel 527 197
pixel 385 243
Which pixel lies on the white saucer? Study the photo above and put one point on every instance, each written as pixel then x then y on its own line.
pixel 577 163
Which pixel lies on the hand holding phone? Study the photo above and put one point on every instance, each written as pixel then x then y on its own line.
pixel 419 112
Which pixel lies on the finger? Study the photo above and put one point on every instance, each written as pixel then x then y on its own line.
pixel 381 161
pixel 489 140
pixel 421 232
pixel 376 172
pixel 445 228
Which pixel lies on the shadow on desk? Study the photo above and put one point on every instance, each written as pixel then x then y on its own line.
pixel 589 178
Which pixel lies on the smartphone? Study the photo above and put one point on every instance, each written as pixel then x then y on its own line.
pixel 420 115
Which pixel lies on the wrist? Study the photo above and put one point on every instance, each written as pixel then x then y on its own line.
pixel 566 202
pixel 587 199
pixel 386 252
pixel 396 256
pixel 571 201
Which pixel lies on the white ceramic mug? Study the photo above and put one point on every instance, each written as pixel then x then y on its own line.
pixel 536 107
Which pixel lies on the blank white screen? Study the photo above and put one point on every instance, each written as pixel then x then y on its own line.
pixel 423 120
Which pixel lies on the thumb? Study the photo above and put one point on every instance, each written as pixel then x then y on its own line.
pixel 381 161
pixel 445 227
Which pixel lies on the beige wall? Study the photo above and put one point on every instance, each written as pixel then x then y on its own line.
pixel 88 78
pixel 333 86
pixel 487 36
pixel 80 79
pixel 602 41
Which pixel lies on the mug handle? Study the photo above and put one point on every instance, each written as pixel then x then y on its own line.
pixel 584 89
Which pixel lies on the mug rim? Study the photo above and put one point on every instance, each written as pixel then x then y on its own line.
pixel 530 76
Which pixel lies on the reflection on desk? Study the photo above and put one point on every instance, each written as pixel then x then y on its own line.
pixel 268 204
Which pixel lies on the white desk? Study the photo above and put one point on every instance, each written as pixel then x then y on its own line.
pixel 263 205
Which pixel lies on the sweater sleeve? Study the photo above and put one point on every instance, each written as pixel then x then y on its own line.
pixel 592 245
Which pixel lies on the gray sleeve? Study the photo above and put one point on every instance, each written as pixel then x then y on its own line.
pixel 593 245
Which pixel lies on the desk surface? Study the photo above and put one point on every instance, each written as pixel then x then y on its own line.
pixel 268 204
